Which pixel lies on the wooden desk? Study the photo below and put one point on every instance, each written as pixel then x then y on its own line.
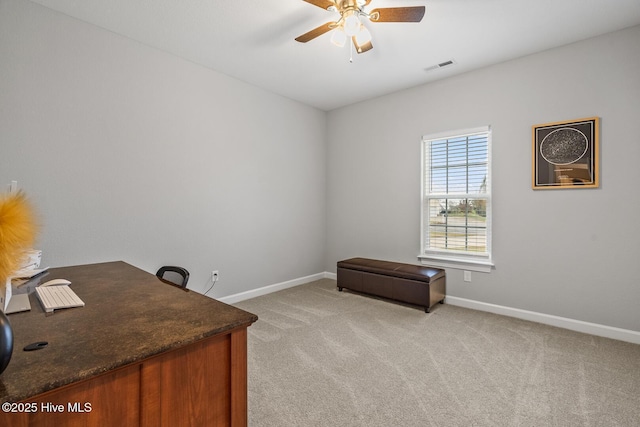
pixel 140 353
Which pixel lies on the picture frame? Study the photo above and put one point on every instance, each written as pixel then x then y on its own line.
pixel 566 154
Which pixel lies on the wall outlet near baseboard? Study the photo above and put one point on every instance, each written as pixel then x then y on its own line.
pixel 467 276
pixel 214 276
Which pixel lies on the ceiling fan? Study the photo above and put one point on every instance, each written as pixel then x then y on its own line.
pixel 350 23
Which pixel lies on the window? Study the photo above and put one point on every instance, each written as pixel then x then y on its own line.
pixel 456 199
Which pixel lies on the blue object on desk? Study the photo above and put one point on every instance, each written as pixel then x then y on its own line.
pixel 6 341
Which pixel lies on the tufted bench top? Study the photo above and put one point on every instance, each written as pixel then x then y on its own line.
pixel 388 268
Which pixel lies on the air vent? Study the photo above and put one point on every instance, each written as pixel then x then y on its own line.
pixel 440 65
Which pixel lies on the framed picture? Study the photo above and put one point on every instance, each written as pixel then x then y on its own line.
pixel 565 154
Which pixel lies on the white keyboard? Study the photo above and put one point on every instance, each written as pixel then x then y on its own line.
pixel 55 297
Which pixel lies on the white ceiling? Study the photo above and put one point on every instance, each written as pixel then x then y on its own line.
pixel 253 40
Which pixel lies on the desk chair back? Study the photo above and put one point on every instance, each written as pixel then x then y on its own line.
pixel 174 275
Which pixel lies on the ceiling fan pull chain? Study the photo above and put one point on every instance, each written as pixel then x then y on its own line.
pixel 351 53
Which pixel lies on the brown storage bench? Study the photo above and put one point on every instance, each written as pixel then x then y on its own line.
pixel 413 284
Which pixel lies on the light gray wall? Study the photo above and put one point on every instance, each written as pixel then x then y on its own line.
pixel 132 154
pixel 569 253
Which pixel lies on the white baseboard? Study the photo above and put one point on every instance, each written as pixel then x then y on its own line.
pixel 332 276
pixel 231 299
pixel 548 319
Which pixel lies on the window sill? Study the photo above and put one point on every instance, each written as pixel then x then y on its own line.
pixel 480 265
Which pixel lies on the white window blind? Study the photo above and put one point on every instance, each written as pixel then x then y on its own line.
pixel 456 205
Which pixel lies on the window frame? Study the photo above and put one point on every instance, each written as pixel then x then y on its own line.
pixel 455 259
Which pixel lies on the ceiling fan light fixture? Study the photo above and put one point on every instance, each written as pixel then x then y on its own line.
pixel 364 36
pixel 349 28
pixel 339 38
pixel 351 23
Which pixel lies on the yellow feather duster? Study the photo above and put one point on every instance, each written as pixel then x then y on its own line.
pixel 17 232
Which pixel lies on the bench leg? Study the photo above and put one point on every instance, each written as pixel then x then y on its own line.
pixel 427 309
pixel 339 289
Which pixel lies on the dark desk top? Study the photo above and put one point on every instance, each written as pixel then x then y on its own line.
pixel 129 315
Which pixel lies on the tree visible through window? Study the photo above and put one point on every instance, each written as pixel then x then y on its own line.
pixel 456 208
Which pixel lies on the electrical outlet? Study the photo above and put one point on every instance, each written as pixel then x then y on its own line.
pixel 214 275
pixel 467 276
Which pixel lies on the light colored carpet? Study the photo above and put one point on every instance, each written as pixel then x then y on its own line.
pixel 319 357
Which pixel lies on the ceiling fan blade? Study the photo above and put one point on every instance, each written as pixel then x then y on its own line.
pixel 316 32
pixel 361 48
pixel 325 4
pixel 397 14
